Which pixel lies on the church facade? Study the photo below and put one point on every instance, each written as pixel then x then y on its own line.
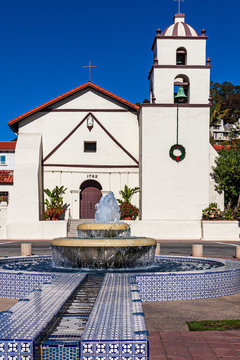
pixel 92 142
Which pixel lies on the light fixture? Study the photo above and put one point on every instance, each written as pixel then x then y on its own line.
pixel 90 122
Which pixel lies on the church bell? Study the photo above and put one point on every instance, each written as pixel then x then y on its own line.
pixel 181 96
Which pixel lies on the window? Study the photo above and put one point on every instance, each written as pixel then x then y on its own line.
pixel 2 160
pixel 181 56
pixel 3 196
pixel 90 146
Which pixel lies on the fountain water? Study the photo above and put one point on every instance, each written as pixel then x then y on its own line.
pixel 105 244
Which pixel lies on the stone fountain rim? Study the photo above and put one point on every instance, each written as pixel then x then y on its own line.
pixel 103 226
pixel 109 242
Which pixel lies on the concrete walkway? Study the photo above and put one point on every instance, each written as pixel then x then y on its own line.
pixel 6 303
pixel 172 315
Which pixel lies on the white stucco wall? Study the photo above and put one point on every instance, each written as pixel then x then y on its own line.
pixel 220 230
pixel 54 126
pixel 24 207
pixel 171 190
pixel 163 84
pixel 166 51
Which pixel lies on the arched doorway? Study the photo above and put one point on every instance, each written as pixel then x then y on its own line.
pixel 89 196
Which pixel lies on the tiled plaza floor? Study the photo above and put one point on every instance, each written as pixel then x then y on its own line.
pixel 171 340
pixel 204 345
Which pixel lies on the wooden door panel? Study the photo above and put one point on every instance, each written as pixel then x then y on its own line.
pixel 90 196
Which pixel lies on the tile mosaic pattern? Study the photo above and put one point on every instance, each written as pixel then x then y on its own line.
pixel 62 339
pixel 25 321
pixel 16 349
pixel 116 328
pixel 190 285
pixel 112 316
pixel 60 351
pixel 19 284
pixel 114 350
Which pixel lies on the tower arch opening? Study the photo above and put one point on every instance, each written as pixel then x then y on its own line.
pixel 181 56
pixel 182 81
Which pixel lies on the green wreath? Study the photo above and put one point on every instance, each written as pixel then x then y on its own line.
pixel 180 157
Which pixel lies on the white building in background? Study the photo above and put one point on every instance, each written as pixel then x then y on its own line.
pixel 221 132
pixel 92 142
pixel 7 152
pixel 7 155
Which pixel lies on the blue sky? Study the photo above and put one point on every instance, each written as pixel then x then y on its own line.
pixel 44 45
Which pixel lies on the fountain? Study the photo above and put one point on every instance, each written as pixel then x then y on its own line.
pixel 105 244
pixel 71 314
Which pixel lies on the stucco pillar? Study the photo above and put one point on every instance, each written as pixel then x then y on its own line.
pixel 26 249
pixel 237 253
pixel 197 250
pixel 25 207
pixel 75 205
pixel 157 252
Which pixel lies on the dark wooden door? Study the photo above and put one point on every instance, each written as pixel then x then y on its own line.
pixel 90 196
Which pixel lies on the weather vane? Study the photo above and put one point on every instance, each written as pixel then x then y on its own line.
pixel 89 67
pixel 179 5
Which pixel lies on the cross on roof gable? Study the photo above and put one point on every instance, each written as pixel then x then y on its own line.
pixel 13 124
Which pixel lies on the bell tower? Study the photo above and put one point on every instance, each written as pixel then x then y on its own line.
pixel 174 127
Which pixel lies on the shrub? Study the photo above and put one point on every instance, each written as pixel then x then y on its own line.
pixel 212 212
pixel 54 206
pixel 227 215
pixel 226 175
pixel 128 210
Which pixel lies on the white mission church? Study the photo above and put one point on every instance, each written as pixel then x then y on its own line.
pixel 92 142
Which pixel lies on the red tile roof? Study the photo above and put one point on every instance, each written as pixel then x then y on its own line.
pixel 7 145
pixel 6 176
pixel 220 147
pixel 13 123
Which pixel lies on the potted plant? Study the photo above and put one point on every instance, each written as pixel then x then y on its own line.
pixel 127 210
pixel 220 225
pixel 54 207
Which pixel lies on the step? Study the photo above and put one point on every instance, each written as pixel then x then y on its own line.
pixel 73 224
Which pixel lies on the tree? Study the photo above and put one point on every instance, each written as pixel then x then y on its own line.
pixel 217 114
pixel 145 101
pixel 226 174
pixel 226 96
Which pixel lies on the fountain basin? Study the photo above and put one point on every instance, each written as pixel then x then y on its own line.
pixel 108 253
pixel 103 230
